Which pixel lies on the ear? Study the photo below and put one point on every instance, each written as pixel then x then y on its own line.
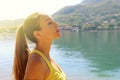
pixel 37 34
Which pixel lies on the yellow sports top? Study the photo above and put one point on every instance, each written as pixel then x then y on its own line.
pixel 54 74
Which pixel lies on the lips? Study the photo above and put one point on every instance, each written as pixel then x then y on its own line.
pixel 57 30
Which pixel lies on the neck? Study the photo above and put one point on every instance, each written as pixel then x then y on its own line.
pixel 44 47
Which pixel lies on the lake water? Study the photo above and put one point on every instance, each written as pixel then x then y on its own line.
pixel 82 55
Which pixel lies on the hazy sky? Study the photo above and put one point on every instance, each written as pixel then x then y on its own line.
pixel 13 9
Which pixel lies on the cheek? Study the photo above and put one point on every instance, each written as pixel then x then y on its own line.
pixel 50 33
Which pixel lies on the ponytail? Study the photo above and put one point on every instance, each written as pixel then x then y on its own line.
pixel 22 52
pixel 20 56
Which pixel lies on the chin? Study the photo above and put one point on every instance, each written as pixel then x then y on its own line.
pixel 57 37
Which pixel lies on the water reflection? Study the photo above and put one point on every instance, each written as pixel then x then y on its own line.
pixel 101 49
pixel 80 54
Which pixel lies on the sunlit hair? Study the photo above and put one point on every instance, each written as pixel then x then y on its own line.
pixel 30 25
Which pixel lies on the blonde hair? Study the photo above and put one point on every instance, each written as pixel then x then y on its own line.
pixel 21 53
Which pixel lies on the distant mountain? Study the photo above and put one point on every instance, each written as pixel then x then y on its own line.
pixel 6 23
pixel 92 2
pixel 90 13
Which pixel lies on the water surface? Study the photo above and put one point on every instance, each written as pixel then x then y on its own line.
pixel 82 55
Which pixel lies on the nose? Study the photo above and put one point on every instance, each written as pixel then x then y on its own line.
pixel 56 24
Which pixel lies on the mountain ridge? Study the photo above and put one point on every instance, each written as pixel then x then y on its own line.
pixel 95 15
pixel 84 15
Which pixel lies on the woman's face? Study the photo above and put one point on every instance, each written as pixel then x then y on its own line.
pixel 49 28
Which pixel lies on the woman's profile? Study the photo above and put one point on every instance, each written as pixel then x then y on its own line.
pixel 37 64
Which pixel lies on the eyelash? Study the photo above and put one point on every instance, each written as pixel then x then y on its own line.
pixel 50 23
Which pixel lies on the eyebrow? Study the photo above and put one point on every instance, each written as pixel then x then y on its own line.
pixel 50 18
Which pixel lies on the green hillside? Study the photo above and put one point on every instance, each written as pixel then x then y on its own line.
pixel 91 14
pixel 88 15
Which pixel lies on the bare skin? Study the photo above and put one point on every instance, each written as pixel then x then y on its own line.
pixel 37 69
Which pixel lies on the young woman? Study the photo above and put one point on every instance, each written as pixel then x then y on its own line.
pixel 36 65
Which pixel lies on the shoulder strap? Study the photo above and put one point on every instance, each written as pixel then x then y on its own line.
pixel 43 56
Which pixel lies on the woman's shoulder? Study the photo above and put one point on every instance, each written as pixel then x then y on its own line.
pixel 36 67
pixel 36 60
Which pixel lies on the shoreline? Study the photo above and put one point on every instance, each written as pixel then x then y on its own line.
pixel 14 32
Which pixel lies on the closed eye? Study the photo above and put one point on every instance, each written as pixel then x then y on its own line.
pixel 49 23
